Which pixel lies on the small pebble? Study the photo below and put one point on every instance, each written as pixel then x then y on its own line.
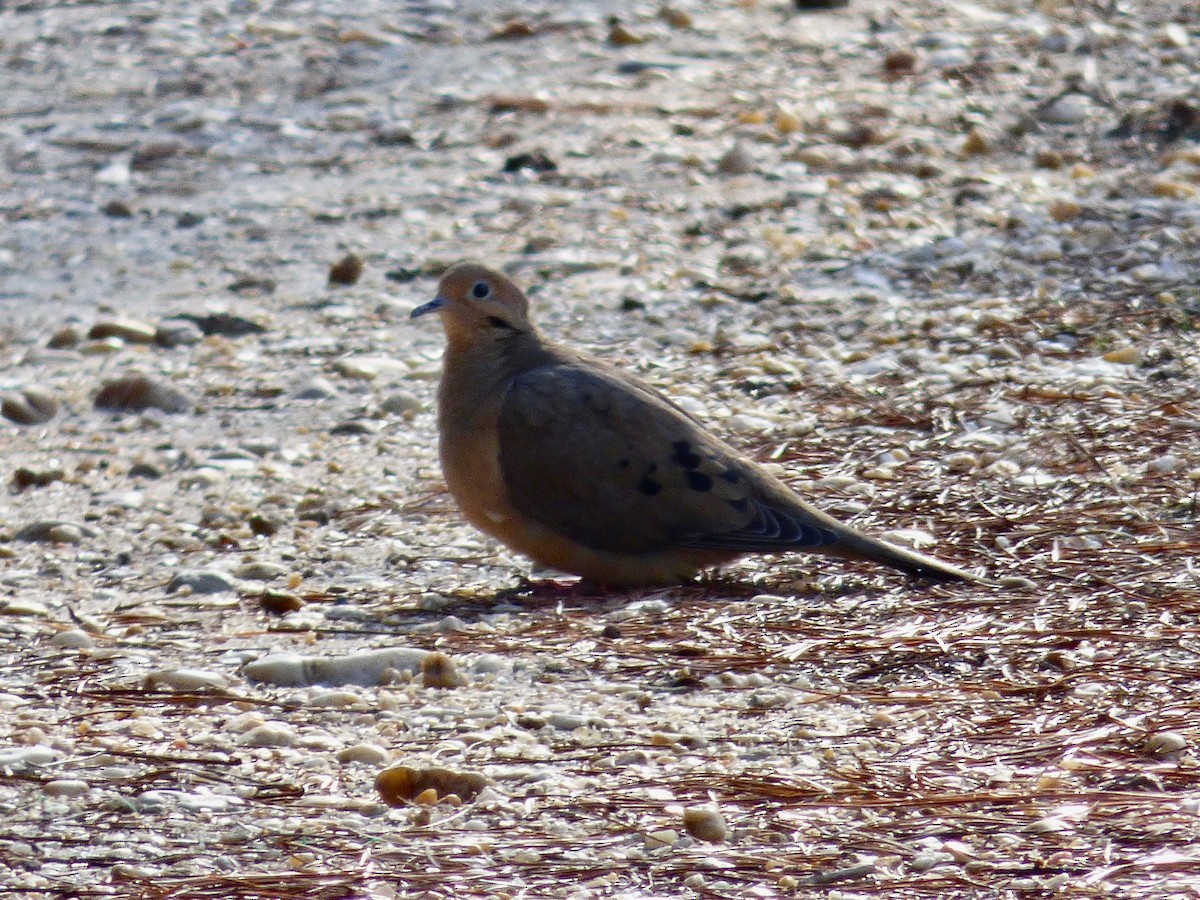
pixel 1167 745
pixel 224 324
pixel 620 36
pixel 25 477
pixel 534 160
pixel 71 639
pixel 1174 35
pixel 663 837
pixel 18 607
pixel 402 403
pixel 491 664
pixel 68 336
pixel 260 570
pixel 280 603
pixel 1050 825
pixel 1069 109
pixel 1048 159
pixel 566 721
pixel 138 392
pixel 1063 210
pixel 371 667
pixel 172 333
pixel 1168 462
pixel 355 426
pixel 269 734
pixel 899 63
pixel 1055 42
pixel 336 698
pixel 117 209
pixel 736 161
pixel 116 174
pixel 186 679
pixel 103 347
pixel 264 524
pixel 922 862
pixel 1044 248
pixel 1018 582
pixel 29 406
pixel 132 331
pixel 675 17
pixel 316 389
pixel 1128 355
pixel 202 581
pixel 406 783
pixel 767 699
pixel 369 367
pixel 66 787
pixel 962 462
pixel 705 823
pixel 976 143
pixel 786 121
pixel 19 759
pixel 53 532
pixel 438 671
pixel 367 754
pixel 261 446
pixel 346 270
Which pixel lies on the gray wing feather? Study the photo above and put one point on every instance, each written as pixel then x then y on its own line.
pixel 608 462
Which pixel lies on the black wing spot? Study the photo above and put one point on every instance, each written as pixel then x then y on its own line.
pixel 624 464
pixel 698 481
pixel 684 455
pixel 732 476
pixel 741 504
pixel 649 486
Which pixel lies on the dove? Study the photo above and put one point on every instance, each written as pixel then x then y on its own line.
pixel 587 469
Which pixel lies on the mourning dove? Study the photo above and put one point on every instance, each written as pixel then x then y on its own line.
pixel 589 470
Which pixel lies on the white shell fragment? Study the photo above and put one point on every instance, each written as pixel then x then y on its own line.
pixel 372 667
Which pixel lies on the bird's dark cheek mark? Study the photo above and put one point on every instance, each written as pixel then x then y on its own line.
pixel 698 481
pixel 497 322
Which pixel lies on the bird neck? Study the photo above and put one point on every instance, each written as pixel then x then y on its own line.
pixel 482 368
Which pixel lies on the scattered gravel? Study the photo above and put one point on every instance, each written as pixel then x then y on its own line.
pixel 937 264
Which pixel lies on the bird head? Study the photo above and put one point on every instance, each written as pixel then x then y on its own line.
pixel 477 303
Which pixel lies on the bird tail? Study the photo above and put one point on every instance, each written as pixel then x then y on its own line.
pixel 851 544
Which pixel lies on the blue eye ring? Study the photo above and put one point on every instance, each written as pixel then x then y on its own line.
pixel 481 290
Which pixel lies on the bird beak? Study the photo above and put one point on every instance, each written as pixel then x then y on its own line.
pixel 432 306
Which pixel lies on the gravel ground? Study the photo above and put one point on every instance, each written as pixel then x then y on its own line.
pixel 937 261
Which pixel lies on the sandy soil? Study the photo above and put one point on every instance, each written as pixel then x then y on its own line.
pixel 937 261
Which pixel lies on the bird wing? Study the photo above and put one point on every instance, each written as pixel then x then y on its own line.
pixel 605 460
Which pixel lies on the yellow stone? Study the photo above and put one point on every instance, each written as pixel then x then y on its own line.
pixel 786 121
pixel 976 144
pixel 1064 208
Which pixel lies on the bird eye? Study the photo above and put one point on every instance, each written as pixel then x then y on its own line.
pixel 481 290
